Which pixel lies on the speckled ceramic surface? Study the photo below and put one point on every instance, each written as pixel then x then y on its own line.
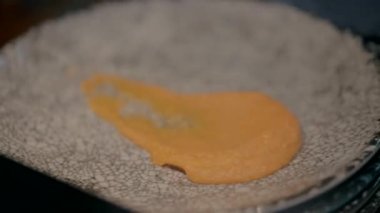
pixel 322 75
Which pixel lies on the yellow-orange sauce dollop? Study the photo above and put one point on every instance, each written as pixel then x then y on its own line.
pixel 224 137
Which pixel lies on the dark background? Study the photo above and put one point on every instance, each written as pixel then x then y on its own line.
pixel 359 16
pixel 16 16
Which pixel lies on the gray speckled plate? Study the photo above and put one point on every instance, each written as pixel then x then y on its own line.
pixel 322 75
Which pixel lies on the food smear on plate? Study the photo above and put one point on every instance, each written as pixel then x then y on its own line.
pixel 213 137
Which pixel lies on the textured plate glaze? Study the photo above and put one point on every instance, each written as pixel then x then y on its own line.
pixel 322 75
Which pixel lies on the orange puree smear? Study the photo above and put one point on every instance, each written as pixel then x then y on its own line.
pixel 215 138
